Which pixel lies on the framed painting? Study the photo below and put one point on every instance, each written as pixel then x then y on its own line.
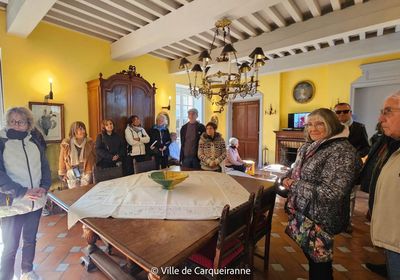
pixel 49 119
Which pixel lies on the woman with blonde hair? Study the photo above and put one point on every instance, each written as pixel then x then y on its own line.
pixel 77 157
pixel 24 181
pixel 160 140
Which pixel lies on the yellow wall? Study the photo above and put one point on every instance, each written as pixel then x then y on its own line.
pixel 71 59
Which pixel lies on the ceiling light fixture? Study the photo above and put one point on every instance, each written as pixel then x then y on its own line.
pixel 227 78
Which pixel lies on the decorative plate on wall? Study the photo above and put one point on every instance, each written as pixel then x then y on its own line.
pixel 303 91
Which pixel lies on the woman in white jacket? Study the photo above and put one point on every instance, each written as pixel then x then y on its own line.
pixel 136 137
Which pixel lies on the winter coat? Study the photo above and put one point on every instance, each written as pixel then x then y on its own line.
pixel 211 150
pixel 136 148
pixel 23 165
pixel 64 162
pixel 107 146
pixel 159 139
pixel 326 178
pixel 385 226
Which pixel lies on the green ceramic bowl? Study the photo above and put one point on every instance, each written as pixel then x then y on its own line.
pixel 168 179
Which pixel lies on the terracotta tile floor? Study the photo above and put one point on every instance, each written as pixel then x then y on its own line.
pixel 58 250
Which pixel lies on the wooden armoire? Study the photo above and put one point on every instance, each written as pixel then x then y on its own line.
pixel 118 97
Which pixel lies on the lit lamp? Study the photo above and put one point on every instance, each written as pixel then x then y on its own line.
pixel 169 104
pixel 50 95
pixel 227 78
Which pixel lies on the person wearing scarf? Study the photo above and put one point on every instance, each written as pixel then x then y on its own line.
pixel 136 137
pixel 110 149
pixel 233 159
pixel 24 181
pixel 321 179
pixel 212 149
pixel 160 140
pixel 77 157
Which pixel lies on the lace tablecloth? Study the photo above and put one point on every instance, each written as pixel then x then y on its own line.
pixel 201 196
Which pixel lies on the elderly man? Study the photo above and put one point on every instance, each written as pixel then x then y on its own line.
pixel 385 226
pixel 190 136
pixel 358 138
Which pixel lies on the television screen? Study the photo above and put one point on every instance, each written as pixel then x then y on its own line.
pixel 297 120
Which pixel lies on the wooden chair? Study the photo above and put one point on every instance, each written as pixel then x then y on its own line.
pixel 104 174
pixel 144 166
pixel 262 221
pixel 230 247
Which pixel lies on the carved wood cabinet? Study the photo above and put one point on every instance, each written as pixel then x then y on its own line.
pixel 118 97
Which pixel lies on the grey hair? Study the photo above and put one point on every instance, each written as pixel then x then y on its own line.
pixel 331 122
pixel 395 95
pixel 22 111
pixel 233 141
pixel 164 117
pixel 193 110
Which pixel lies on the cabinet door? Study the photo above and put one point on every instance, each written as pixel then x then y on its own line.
pixel 142 105
pixel 115 106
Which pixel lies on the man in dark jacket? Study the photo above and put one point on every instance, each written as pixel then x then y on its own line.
pixel 358 138
pixel 190 136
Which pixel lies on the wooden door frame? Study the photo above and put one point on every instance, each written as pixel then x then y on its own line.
pixel 228 126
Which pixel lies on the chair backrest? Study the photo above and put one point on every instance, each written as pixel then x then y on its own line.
pixel 262 213
pixel 144 166
pixel 234 229
pixel 104 174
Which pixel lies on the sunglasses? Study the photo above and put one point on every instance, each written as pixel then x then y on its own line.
pixel 338 112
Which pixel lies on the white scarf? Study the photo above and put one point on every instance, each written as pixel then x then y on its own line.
pixel 74 151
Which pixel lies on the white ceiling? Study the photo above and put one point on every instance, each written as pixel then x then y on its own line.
pixel 292 33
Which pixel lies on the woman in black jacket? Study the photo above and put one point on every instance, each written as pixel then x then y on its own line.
pixel 110 148
pixel 160 140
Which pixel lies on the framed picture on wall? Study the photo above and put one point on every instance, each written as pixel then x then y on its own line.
pixel 49 119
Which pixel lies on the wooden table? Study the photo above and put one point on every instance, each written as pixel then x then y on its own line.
pixel 151 244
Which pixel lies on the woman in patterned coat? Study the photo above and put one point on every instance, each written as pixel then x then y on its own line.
pixel 212 149
pixel 321 180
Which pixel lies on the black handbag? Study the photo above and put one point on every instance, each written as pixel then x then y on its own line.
pixel 279 189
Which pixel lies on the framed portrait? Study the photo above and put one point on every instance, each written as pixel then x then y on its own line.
pixel 49 119
pixel 303 91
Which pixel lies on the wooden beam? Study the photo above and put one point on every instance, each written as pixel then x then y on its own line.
pixel 275 16
pixel 376 46
pixel 260 22
pixel 338 24
pixel 24 15
pixel 293 10
pixel 335 5
pixel 160 32
pixel 314 7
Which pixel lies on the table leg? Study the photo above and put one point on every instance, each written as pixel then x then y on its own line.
pixel 91 239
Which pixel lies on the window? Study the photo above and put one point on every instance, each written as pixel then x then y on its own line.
pixel 2 124
pixel 185 101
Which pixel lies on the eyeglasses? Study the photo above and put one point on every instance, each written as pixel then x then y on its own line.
pixel 18 123
pixel 388 111
pixel 338 112
pixel 317 125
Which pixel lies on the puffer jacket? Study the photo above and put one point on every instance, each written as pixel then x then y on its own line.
pixel 136 148
pixel 211 150
pixel 326 178
pixel 23 165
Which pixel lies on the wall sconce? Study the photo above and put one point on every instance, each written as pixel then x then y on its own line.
pixel 270 111
pixel 50 95
pixel 219 111
pixel 169 104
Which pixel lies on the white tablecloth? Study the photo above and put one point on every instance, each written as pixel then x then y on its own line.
pixel 201 196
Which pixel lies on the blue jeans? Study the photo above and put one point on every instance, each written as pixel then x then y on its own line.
pixel 393 264
pixel 11 228
pixel 191 162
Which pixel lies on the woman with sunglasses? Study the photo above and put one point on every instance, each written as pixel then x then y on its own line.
pixel 320 183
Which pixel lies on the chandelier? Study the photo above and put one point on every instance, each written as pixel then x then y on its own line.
pixel 227 78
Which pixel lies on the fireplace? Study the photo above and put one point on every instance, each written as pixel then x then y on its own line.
pixel 287 143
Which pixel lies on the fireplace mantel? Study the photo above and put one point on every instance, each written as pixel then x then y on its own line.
pixel 287 139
